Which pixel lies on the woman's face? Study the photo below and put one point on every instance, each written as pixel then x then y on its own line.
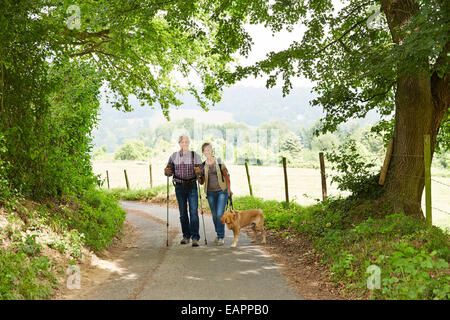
pixel 184 144
pixel 208 151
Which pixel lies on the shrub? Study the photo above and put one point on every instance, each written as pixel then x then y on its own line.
pixel 100 218
pixel 356 175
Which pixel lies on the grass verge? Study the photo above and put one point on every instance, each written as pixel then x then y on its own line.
pixel 360 246
pixel 38 241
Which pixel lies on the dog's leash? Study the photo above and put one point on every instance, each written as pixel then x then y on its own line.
pixel 201 209
pixel 230 202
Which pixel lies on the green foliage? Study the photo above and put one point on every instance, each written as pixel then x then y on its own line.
pixel 411 273
pixel 413 257
pixel 99 218
pixel 356 174
pixel 48 155
pixel 99 152
pixel 72 242
pixel 350 59
pixel 132 150
pixel 5 192
pixel 136 194
pixel 23 277
pixel 27 245
pixel 443 138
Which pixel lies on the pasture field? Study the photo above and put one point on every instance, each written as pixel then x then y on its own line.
pixel 304 184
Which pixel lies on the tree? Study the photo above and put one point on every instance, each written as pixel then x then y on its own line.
pixel 133 150
pixel 400 68
pixel 136 46
pixel 55 56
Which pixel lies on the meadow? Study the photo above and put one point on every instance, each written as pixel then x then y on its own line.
pixel 304 184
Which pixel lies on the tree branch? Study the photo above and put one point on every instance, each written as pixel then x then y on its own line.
pixel 342 36
pixel 89 50
pixel 379 94
pixel 100 34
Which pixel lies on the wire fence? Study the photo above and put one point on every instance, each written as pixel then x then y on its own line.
pixel 259 176
pixel 440 182
pixel 397 175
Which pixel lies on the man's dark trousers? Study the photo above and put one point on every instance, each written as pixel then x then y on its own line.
pixel 188 193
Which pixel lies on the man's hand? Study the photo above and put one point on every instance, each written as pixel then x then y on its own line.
pixel 230 193
pixel 167 171
pixel 197 170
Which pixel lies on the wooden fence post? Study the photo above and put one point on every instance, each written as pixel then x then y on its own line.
pixel 248 178
pixel 322 175
pixel 151 176
pixel 387 159
pixel 285 180
pixel 427 162
pixel 107 178
pixel 126 179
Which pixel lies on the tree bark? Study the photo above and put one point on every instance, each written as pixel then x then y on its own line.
pixel 415 116
pixel 420 103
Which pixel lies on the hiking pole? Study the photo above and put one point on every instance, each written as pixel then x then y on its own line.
pixel 201 209
pixel 167 241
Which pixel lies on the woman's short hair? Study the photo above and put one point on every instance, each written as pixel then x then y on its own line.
pixel 206 144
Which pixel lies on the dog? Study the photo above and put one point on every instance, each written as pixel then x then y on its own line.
pixel 235 220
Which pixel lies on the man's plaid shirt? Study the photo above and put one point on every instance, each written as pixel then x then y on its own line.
pixel 182 164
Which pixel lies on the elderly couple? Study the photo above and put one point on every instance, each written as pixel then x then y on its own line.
pixel 186 167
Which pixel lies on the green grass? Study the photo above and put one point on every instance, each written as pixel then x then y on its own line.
pixel 91 219
pixel 25 277
pixel 137 194
pixel 352 235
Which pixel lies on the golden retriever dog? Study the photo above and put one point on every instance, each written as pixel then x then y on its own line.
pixel 236 220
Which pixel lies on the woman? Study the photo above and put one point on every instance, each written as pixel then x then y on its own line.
pixel 217 188
pixel 185 166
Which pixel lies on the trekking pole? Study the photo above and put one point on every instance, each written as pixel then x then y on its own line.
pixel 201 209
pixel 167 241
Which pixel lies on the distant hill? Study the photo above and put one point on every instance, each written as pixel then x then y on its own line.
pixel 252 106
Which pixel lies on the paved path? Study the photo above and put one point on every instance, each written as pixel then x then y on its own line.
pixel 154 271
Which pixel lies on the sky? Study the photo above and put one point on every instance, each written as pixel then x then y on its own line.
pixel 264 43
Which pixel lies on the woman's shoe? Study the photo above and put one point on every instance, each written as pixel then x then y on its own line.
pixel 220 242
pixel 185 241
pixel 216 240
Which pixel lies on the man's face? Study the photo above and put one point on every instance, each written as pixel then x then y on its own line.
pixel 184 143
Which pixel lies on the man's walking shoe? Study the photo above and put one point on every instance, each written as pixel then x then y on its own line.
pixel 185 241
pixel 220 242
pixel 216 240
pixel 195 243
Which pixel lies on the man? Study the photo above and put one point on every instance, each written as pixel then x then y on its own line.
pixel 185 166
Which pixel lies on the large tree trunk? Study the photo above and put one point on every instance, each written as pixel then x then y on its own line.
pixel 415 116
pixel 420 103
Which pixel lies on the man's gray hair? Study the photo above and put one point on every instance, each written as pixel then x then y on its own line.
pixel 183 136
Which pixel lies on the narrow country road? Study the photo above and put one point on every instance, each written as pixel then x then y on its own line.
pixel 150 270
